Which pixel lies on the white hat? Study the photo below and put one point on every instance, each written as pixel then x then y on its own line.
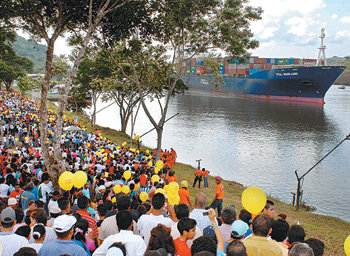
pixel 11 201
pixel 114 251
pixel 54 209
pixel 101 187
pixel 64 223
pixel 108 184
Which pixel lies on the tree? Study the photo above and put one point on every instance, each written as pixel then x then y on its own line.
pixel 49 20
pixel 26 83
pixel 187 28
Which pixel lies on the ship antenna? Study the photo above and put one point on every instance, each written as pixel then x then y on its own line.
pixel 321 59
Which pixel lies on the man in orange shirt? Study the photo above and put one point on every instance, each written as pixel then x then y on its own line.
pixel 184 194
pixel 198 177
pixel 205 174
pixel 17 192
pixel 219 196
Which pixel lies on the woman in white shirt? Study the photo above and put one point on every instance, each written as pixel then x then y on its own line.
pixel 39 233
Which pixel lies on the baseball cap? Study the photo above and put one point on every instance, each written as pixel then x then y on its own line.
pixel 184 184
pixel 101 187
pixel 8 215
pixel 64 223
pixel 218 178
pixel 54 209
pixel 11 201
pixel 208 231
pixel 114 251
pixel 239 228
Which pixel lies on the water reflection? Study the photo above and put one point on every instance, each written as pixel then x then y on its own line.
pixel 261 143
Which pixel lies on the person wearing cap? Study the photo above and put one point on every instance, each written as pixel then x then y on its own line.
pixel 238 230
pixel 12 202
pixel 184 194
pixel 63 227
pixel 54 211
pixel 11 241
pixel 219 195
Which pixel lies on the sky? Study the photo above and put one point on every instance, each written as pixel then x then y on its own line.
pixel 290 28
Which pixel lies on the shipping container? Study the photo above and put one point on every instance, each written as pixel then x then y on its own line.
pixel 253 70
pixel 200 63
pixel 251 66
pixel 268 60
pixel 296 61
pixel 243 71
pixel 231 72
pixel 267 66
pixel 283 61
pixel 290 61
pixel 243 66
pixel 193 70
pixel 258 66
pixel 232 66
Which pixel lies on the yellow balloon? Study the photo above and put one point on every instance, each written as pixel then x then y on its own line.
pixel 106 174
pixel 137 137
pixel 105 158
pixel 160 190
pixel 124 143
pixel 127 175
pixel 132 150
pixel 117 189
pixel 114 199
pixel 102 150
pixel 79 179
pixel 147 151
pixel 143 196
pixel 16 139
pixel 150 164
pixel 172 194
pixel 173 187
pixel 125 189
pixel 98 153
pixel 156 170
pixel 174 201
pixel 159 164
pixel 117 147
pixel 150 156
pixel 155 178
pixel 112 156
pixel 347 246
pixel 253 200
pixel 166 188
pixel 66 180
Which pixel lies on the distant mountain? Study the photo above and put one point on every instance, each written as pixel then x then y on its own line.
pixel 33 51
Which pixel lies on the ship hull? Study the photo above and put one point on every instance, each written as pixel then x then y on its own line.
pixel 308 84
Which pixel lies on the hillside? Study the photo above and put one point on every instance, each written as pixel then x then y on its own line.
pixel 344 79
pixel 33 51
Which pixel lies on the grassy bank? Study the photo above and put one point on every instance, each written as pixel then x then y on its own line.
pixel 332 231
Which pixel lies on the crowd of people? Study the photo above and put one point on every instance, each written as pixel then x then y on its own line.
pixel 97 219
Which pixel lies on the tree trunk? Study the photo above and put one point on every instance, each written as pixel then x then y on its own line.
pixel 43 109
pixel 94 103
pixel 159 141
pixel 8 86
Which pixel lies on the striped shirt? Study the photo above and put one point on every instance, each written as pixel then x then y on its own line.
pixel 92 221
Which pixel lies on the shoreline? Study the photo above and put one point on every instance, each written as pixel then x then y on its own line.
pixel 331 230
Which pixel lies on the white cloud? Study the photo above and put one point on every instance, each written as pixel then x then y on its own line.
pixel 268 32
pixel 298 26
pixel 342 34
pixel 334 16
pixel 278 8
pixel 345 19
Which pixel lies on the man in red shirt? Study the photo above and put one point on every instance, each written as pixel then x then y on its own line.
pixel 17 192
pixel 83 204
pixel 187 229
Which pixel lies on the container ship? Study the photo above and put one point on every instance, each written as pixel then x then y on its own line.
pixel 292 79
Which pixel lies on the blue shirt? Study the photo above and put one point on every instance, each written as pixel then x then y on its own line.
pixel 60 247
pixel 25 197
pixel 82 245
pixel 35 192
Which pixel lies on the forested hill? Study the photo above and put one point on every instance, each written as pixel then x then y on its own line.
pixel 33 51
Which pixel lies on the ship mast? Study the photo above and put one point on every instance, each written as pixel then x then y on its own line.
pixel 321 59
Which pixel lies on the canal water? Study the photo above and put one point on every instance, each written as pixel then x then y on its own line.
pixel 260 143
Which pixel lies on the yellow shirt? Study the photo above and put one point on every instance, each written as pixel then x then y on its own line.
pixel 261 246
